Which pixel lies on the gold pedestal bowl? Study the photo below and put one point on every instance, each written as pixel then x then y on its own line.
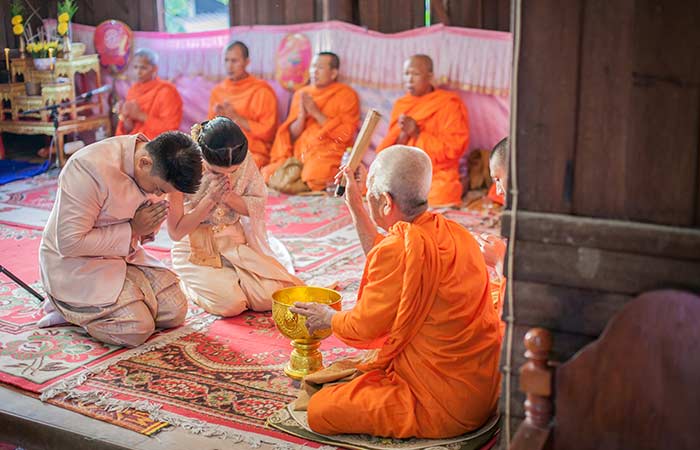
pixel 305 358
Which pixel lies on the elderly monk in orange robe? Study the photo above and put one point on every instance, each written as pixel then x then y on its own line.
pixel 322 122
pixel 424 303
pixel 434 120
pixel 248 101
pixel 152 105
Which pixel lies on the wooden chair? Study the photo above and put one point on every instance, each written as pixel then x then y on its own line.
pixel 636 387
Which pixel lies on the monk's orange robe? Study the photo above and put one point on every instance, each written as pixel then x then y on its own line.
pixel 255 100
pixel 162 104
pixel 319 148
pixel 444 135
pixel 425 302
pixel 495 197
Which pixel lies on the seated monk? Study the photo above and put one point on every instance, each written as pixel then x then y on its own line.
pixel 221 249
pixel 97 274
pixel 499 172
pixel 424 303
pixel 322 122
pixel 434 120
pixel 152 105
pixel 248 101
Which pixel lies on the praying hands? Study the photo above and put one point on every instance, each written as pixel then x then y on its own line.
pixel 130 111
pixel 409 129
pixel 148 217
pixel 226 109
pixel 220 186
pixel 220 190
pixel 310 107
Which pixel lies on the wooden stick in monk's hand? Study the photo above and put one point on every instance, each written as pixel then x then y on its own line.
pixel 360 146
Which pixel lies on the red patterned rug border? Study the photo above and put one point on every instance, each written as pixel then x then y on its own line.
pixel 70 389
pixel 67 384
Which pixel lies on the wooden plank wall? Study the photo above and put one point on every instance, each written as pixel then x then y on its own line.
pixel 485 14
pixel 378 15
pixel 608 141
pixel 139 15
pixel 609 109
pixel 7 39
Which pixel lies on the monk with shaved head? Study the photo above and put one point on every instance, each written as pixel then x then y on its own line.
pixel 434 120
pixel 248 101
pixel 322 122
pixel 152 105
pixel 423 304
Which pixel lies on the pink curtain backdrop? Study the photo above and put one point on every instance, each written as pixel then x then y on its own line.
pixel 475 63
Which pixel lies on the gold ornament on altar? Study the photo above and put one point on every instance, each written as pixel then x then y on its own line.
pixel 43 80
pixel 305 358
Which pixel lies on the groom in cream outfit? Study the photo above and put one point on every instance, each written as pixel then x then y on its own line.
pixel 93 267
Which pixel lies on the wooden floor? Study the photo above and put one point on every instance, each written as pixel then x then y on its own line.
pixel 33 425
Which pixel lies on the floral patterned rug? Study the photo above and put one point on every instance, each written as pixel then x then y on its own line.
pixel 35 359
pixel 31 358
pixel 223 381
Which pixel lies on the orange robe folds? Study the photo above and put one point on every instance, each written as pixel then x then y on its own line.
pixel 162 104
pixel 319 148
pixel 444 135
pixel 424 301
pixel 255 100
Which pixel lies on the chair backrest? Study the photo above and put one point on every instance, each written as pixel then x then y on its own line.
pixel 638 385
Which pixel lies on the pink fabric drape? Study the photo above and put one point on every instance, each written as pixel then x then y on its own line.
pixel 476 63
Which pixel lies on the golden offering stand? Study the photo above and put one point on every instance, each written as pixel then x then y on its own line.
pixel 305 358
pixel 16 99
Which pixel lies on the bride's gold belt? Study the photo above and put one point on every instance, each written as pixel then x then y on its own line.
pixel 203 248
